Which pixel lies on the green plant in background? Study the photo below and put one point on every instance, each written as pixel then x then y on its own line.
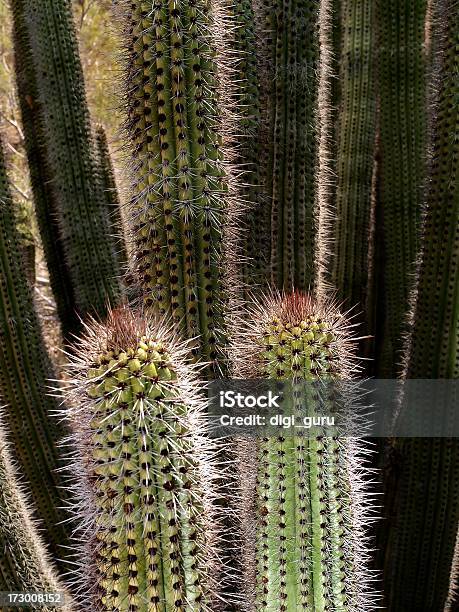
pixel 25 374
pixel 146 475
pixel 178 207
pixel 420 554
pixel 111 196
pixel 24 567
pixel 304 511
pixel 61 150
pixel 402 81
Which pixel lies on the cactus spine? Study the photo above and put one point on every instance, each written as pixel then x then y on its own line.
pixel 25 372
pixel 288 60
pixel 146 468
pixel 304 511
pixel 178 209
pixel 111 195
pixel 23 565
pixel 356 131
pixel 47 30
pixel 419 556
pixel 403 142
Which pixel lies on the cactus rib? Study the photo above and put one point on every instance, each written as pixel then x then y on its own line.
pixel 147 468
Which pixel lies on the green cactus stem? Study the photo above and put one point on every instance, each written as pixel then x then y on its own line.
pixel 401 65
pixel 422 535
pixel 40 178
pixel 25 374
pixel 304 507
pixel 62 128
pixel 24 565
pixel 146 476
pixel 178 208
pixel 356 135
pixel 111 195
pixel 288 48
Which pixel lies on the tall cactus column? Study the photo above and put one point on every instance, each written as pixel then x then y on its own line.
pixel 46 30
pixel 401 64
pixel 420 553
pixel 304 508
pixel 25 374
pixel 178 208
pixel 146 477
pixel 288 63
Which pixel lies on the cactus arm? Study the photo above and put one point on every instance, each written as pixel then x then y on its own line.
pixel 403 143
pixel 181 212
pixel 71 162
pixel 306 529
pixel 356 133
pixel 288 94
pixel 111 195
pixel 25 372
pixel 44 204
pixel 24 566
pixel 146 471
pixel 420 553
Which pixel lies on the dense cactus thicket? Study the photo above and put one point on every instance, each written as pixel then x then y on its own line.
pixel 303 509
pixel 286 164
pixel 24 567
pixel 25 374
pixel 147 470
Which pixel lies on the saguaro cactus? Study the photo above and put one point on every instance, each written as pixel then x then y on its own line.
pixel 25 374
pixel 288 49
pixel 146 472
pixel 419 556
pixel 24 567
pixel 178 208
pixel 304 508
pixel 62 127
pixel 401 65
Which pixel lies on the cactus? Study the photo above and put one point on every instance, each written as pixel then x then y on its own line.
pixel 304 510
pixel 111 195
pixel 288 62
pixel 23 565
pixel 178 208
pixel 25 371
pixel 62 130
pixel 402 67
pixel 146 471
pixel 350 260
pixel 420 551
pixel 40 178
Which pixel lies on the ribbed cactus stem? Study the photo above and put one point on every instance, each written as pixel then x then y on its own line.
pixel 24 564
pixel 304 516
pixel 356 135
pixel 178 210
pixel 40 178
pixel 146 477
pixel 288 49
pixel 401 66
pixel 47 29
pixel 420 553
pixel 111 195
pixel 25 374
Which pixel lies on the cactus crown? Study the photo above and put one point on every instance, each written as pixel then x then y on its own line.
pixel 151 474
